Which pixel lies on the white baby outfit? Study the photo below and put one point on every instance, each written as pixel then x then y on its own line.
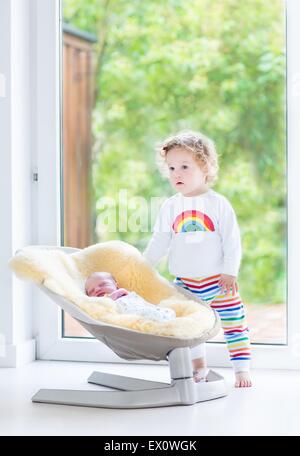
pixel 132 303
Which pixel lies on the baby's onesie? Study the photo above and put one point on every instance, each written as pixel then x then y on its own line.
pixel 132 303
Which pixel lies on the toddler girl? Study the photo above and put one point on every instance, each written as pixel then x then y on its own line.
pixel 198 229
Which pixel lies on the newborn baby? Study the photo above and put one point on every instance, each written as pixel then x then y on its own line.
pixel 103 284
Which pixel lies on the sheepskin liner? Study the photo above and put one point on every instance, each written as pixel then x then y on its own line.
pixel 65 274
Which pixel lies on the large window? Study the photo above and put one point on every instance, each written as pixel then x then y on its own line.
pixel 134 72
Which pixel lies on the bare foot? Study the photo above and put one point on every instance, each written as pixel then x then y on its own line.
pixel 200 375
pixel 242 380
pixel 200 370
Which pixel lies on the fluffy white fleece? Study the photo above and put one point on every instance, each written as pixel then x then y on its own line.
pixel 65 274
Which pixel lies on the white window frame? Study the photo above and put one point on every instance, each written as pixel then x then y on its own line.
pixel 50 344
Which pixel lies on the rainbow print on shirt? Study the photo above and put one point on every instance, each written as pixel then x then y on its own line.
pixel 192 220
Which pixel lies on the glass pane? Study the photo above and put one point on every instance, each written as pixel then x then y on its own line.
pixel 135 72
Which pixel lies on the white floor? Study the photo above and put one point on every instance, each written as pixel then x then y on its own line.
pixel 270 407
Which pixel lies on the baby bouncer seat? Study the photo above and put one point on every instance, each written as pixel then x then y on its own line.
pixel 60 272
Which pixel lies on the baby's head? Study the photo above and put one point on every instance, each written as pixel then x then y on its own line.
pixel 190 161
pixel 100 283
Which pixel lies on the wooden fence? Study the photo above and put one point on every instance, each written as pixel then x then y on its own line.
pixel 76 160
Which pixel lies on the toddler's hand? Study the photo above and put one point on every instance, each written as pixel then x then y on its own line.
pixel 228 282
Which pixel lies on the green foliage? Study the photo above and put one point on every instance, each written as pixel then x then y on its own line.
pixel 217 67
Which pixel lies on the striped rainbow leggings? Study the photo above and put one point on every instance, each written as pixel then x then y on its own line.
pixel 232 315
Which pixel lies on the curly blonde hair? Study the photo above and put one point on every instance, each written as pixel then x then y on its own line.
pixel 202 148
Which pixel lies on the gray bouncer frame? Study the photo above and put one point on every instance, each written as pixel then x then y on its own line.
pixel 132 345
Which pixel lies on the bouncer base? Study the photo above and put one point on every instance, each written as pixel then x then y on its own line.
pixel 137 393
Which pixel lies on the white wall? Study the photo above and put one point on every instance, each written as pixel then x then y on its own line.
pixel 17 227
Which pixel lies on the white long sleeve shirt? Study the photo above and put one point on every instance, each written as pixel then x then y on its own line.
pixel 200 234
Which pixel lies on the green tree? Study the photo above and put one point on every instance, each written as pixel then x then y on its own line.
pixel 217 67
